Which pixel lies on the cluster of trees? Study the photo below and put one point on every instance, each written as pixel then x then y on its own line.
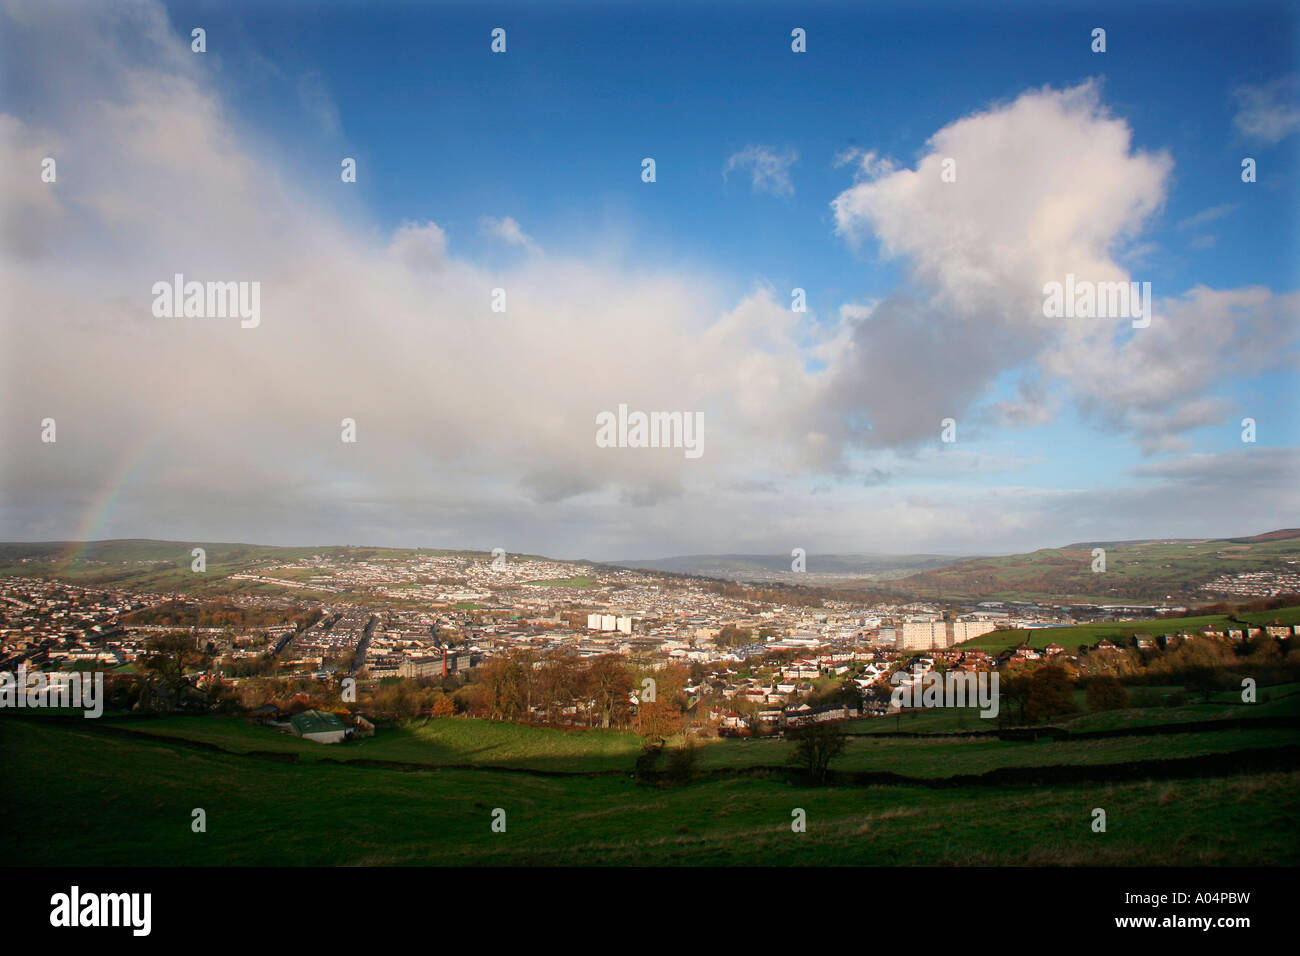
pixel 1106 693
pixel 1204 667
pixel 406 699
pixel 790 595
pixel 1267 659
pixel 1039 695
pixel 560 688
pixel 219 614
pixel 733 636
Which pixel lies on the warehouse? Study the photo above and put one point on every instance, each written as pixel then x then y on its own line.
pixel 320 726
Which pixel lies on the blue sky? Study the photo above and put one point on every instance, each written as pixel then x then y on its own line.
pixel 551 134
pixel 554 130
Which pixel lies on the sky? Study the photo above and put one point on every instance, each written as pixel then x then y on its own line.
pixel 920 173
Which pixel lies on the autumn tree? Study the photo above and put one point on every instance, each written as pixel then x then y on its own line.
pixel 607 683
pixel 815 746
pixel 1049 694
pixel 1106 693
pixel 1013 695
pixel 169 657
pixel 663 715
pixel 733 636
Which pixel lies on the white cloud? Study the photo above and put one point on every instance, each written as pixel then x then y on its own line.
pixel 870 164
pixel 419 246
pixel 466 418
pixel 315 98
pixel 1270 112
pixel 1208 215
pixel 1159 382
pixel 769 170
pixel 1047 185
pixel 476 428
pixel 508 231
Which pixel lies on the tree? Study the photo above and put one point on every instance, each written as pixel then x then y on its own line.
pixel 663 715
pixel 169 657
pixel 1013 694
pixel 1049 694
pixel 608 684
pixel 733 636
pixel 815 746
pixel 1106 693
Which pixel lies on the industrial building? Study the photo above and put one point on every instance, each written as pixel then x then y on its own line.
pixel 319 725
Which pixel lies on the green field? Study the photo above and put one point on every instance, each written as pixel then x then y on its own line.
pixel 464 742
pixel 433 742
pixel 1120 631
pixel 76 796
pixel 120 791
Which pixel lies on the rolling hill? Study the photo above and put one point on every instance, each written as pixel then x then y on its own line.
pixel 1148 571
pixel 820 568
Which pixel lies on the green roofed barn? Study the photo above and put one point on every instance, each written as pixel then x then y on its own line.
pixel 319 725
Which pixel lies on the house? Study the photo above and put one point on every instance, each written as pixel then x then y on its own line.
pixel 265 713
pixel 319 726
pixel 732 720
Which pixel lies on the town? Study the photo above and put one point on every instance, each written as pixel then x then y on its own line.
pixel 735 659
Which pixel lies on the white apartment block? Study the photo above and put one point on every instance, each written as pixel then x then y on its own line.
pixel 609 622
pixel 967 630
pixel 922 635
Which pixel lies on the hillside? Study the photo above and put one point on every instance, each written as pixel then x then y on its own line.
pixel 422 794
pixel 1142 572
pixel 1138 572
pixel 820 568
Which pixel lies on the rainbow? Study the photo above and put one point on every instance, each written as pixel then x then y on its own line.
pixel 103 502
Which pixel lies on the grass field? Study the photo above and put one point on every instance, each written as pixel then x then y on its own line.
pixel 461 742
pixel 77 796
pixel 121 790
pixel 1071 637
pixel 434 742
